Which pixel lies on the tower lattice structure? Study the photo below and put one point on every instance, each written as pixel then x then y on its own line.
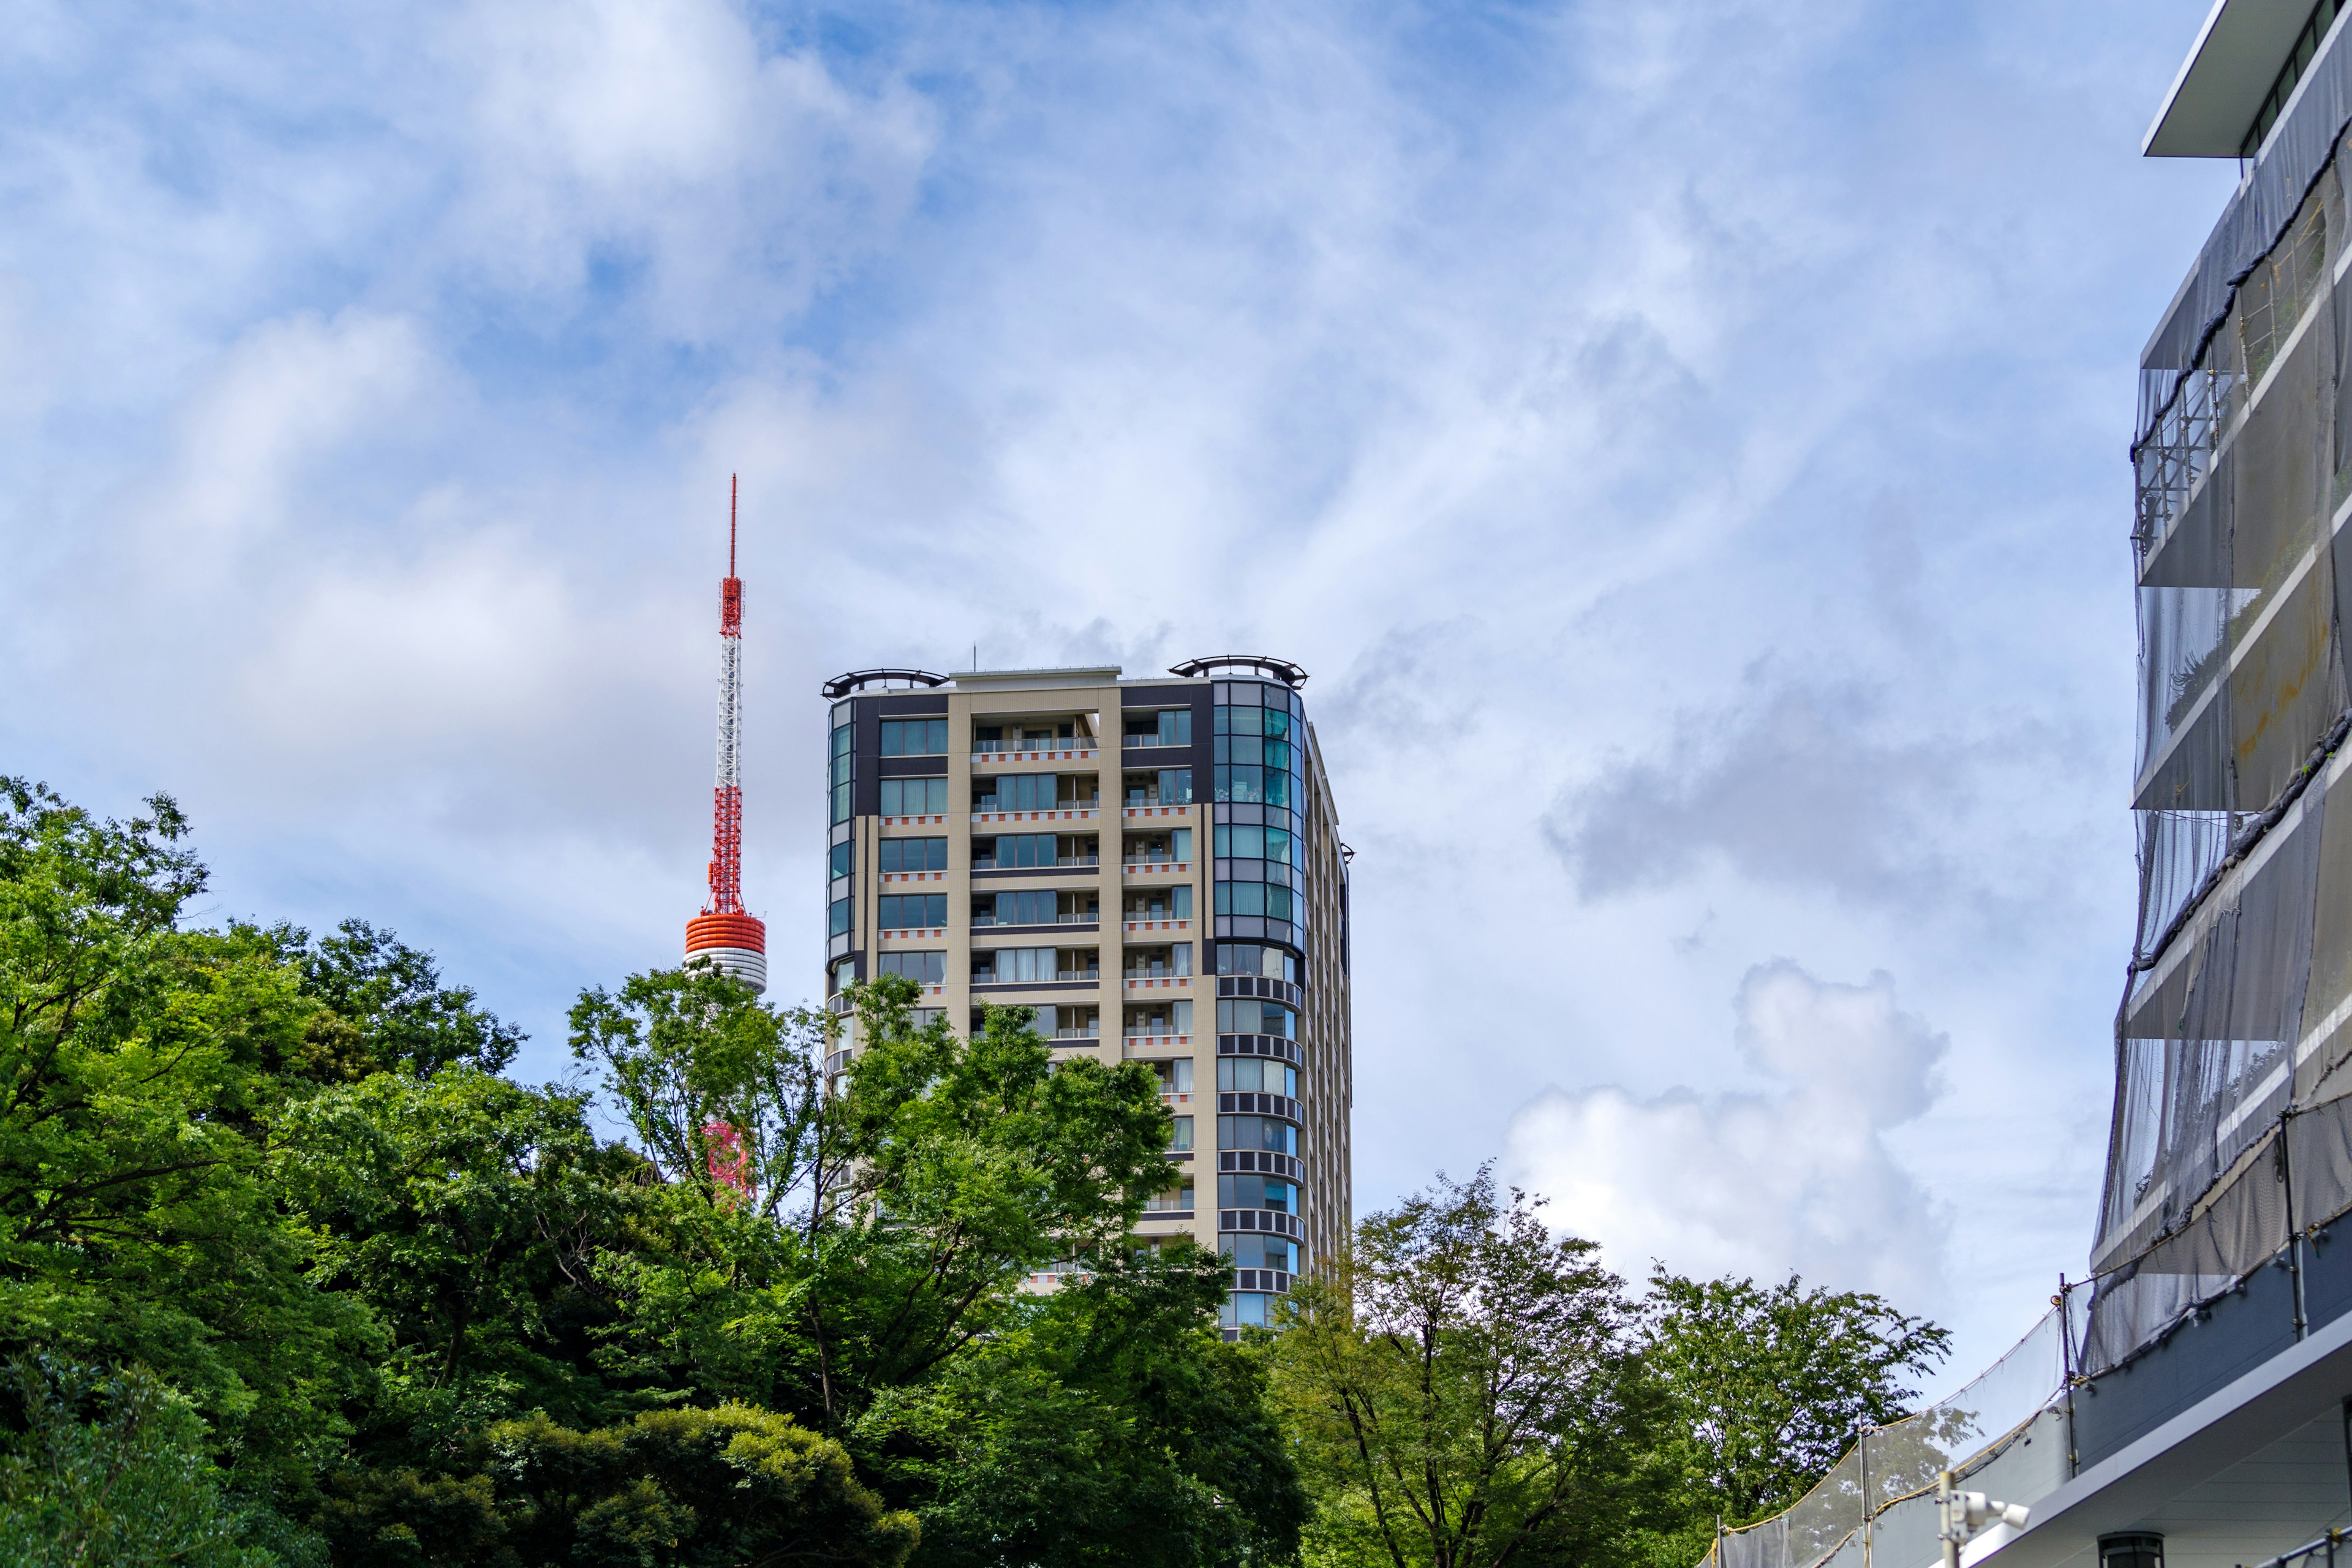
pixel 724 933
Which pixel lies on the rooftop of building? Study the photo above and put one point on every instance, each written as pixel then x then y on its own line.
pixel 2237 59
pixel 1055 676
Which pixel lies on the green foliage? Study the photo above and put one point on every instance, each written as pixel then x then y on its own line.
pixel 1109 1423
pixel 138 1071
pixel 111 1468
pixel 279 1243
pixel 1770 1385
pixel 715 1084
pixel 724 1487
pixel 1463 1389
pixel 733 1485
pixel 469 1213
pixel 381 1005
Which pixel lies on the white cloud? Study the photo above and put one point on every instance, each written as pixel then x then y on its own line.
pixel 1803 1176
pixel 664 139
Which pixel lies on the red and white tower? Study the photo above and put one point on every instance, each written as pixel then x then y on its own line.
pixel 722 934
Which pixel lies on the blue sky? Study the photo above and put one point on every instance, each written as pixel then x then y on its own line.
pixel 1684 442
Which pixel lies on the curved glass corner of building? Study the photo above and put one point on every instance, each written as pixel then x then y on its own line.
pixel 1258 828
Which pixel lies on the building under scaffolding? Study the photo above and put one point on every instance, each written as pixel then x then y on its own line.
pixel 2191 1402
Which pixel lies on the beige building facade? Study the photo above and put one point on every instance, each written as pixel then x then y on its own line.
pixel 1155 866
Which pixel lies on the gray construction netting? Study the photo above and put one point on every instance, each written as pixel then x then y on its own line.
pixel 2228 1130
pixel 2004 1434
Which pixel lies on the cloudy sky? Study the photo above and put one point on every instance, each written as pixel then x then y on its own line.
pixel 1685 441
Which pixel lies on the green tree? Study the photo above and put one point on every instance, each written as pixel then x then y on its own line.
pixel 883 1229
pixel 381 1004
pixel 732 1486
pixel 720 1089
pixel 1463 1390
pixel 1769 1385
pixel 139 1068
pixel 726 1486
pixel 873 1277
pixel 1107 1423
pixel 101 1467
pixel 469 1214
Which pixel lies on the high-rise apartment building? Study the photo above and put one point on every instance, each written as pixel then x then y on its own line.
pixel 1155 866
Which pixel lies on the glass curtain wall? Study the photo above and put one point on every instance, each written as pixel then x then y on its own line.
pixel 1257 828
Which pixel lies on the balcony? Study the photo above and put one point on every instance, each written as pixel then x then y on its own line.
pixel 996 753
pixel 1069 919
pixel 988 863
pixel 988 808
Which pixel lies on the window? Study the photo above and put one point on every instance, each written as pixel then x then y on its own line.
pixel 1032 908
pixel 1255 721
pixel 1246 1310
pixel 843 764
pixel 914 797
pixel 1161 904
pixel 1153 963
pixel 909 911
pixel 1246 1192
pixel 1255 1075
pixel 914 854
pixel 1248 785
pixel 1160 1018
pixel 1034 736
pixel 843 972
pixel 1175 1077
pixel 914 737
pixel 922 968
pixel 1014 851
pixel 1182 1137
pixel 1176 1200
pixel 1254 1015
pixel 1256 1133
pixel 1168 727
pixel 1035 909
pixel 1169 786
pixel 1248 958
pixel 838 919
pixel 1257 1251
pixel 1159 848
pixel 1271 899
pixel 1244 843
pixel 1031 792
pixel 843 858
pixel 1016 966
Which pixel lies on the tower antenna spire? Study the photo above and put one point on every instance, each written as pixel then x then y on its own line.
pixel 724 933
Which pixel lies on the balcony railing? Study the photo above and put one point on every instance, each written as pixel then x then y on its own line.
pixel 1026 743
pixel 988 863
pixel 1088 917
pixel 1151 857
pixel 1145 1031
pixel 1155 972
pixel 993 803
pixel 1089 1030
pixel 1067 976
